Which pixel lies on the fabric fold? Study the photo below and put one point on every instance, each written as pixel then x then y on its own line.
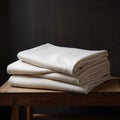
pixel 61 59
pixel 60 68
pixel 35 82
pixel 21 68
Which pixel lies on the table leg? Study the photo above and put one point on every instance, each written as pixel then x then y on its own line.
pixel 15 111
pixel 29 112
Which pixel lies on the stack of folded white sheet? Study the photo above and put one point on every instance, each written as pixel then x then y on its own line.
pixel 60 68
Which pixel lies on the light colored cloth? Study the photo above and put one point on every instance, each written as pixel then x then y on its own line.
pixel 92 73
pixel 62 59
pixel 60 68
pixel 36 82
pixel 19 67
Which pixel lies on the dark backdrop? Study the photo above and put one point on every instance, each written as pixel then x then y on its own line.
pixel 88 24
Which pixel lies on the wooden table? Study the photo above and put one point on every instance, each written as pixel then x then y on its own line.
pixel 107 94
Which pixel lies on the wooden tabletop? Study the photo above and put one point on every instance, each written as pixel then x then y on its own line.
pixel 108 86
pixel 107 94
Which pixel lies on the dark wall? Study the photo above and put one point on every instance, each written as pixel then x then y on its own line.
pixel 77 23
pixel 5 39
pixel 87 24
pixel 80 23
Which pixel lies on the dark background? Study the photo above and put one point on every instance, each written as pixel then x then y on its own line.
pixel 88 24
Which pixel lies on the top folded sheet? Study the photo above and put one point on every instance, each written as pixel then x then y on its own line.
pixel 61 59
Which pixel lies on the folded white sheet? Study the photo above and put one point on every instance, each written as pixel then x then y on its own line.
pixel 60 68
pixel 19 67
pixel 35 82
pixel 92 73
pixel 62 59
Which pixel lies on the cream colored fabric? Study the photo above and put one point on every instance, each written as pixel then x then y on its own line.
pixel 36 82
pixel 61 59
pixel 60 68
pixel 92 73
pixel 19 67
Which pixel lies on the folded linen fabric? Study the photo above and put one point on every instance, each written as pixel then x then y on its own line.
pixel 60 68
pixel 62 59
pixel 19 67
pixel 92 73
pixel 36 82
